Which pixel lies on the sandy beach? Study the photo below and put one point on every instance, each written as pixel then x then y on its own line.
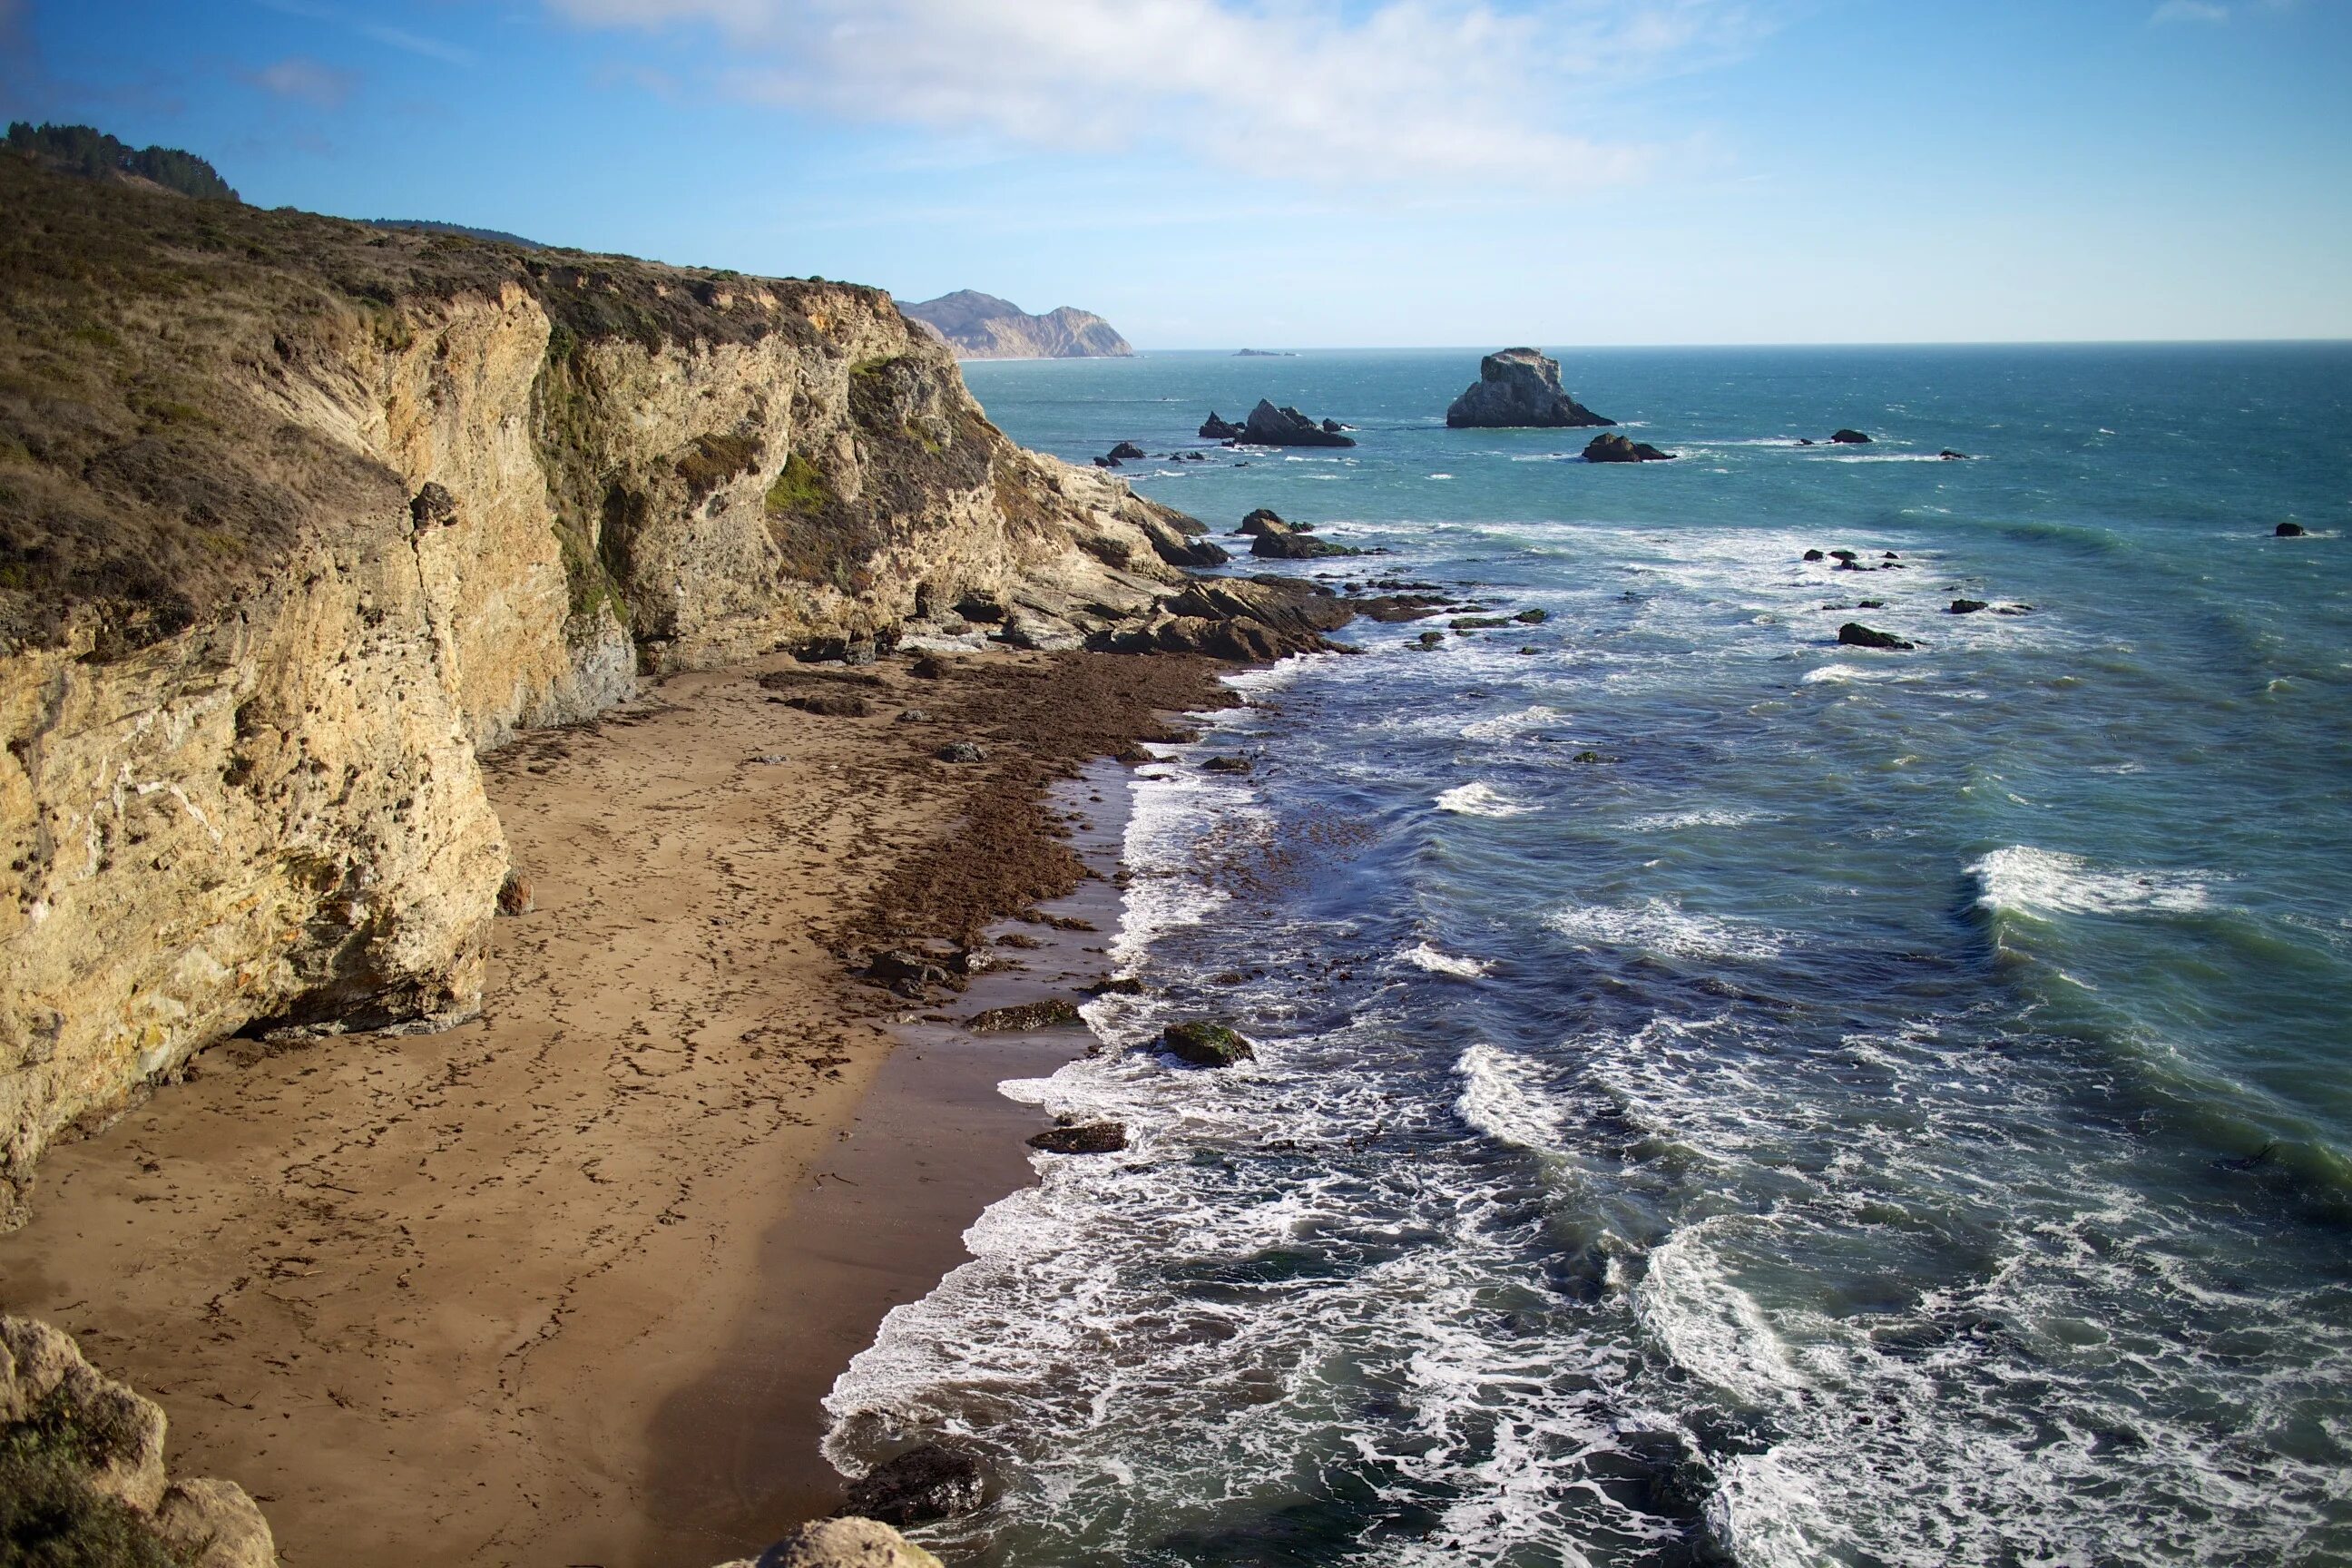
pixel 565 1285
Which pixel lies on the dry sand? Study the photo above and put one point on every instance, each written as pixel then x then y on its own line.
pixel 564 1285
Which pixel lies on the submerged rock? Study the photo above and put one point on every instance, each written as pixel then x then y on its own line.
pixel 936 1480
pixel 1951 457
pixel 1271 426
pixel 1205 1044
pixel 1618 449
pixel 1518 388
pixel 1853 634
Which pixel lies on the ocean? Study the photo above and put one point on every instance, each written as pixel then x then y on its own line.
pixel 1721 1095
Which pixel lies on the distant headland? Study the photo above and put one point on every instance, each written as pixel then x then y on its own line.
pixel 982 326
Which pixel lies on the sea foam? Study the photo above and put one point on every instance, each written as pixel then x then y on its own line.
pixel 1482 799
pixel 2021 879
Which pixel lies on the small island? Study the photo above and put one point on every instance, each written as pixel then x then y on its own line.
pixel 1264 353
pixel 1519 389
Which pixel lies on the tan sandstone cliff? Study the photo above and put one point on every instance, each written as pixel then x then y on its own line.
pixel 297 515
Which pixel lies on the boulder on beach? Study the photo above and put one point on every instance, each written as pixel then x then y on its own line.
pixel 1618 449
pixel 1853 634
pixel 1204 1044
pixel 962 752
pixel 515 895
pixel 934 1480
pixel 1518 388
pixel 1851 439
pixel 843 1543
pixel 1271 426
pixel 1023 1016
pixel 1215 429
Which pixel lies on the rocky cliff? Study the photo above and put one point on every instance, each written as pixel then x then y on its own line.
pixel 982 326
pixel 297 515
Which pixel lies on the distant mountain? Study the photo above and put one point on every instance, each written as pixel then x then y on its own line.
pixel 982 326
pixel 91 153
pixel 427 226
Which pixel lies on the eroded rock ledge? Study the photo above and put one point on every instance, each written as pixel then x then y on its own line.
pixel 298 516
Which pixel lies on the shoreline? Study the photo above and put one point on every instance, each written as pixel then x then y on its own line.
pixel 507 1293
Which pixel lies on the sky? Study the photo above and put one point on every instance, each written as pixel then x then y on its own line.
pixel 1294 173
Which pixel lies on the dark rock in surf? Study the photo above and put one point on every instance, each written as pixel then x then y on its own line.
pixel 1853 634
pixel 1127 451
pixel 1082 1138
pixel 1271 426
pixel 1519 388
pixel 1204 1044
pixel 1815 555
pixel 1618 449
pixel 2288 530
pixel 1215 429
pixel 936 1480
pixel 1226 765
pixel 1967 607
pixel 1255 523
pixel 1281 541
pixel 1951 457
pixel 1849 439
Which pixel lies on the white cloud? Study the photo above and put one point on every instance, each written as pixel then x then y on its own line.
pixel 2189 11
pixel 1457 89
pixel 298 78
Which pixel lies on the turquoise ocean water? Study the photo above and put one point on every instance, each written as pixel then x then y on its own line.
pixel 1722 1096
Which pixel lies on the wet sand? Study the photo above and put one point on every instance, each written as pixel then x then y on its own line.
pixel 564 1285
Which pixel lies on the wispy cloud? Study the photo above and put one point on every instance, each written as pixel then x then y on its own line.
pixel 377 32
pixel 306 81
pixel 1407 90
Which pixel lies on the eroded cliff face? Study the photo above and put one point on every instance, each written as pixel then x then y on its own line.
pixel 295 517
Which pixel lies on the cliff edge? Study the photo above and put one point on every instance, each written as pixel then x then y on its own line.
pixel 297 515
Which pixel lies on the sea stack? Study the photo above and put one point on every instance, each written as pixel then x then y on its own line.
pixel 1519 388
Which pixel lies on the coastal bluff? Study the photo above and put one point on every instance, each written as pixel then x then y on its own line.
pixel 299 518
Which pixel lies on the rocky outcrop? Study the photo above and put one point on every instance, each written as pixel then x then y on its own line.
pixel 1849 439
pixel 82 1477
pixel 1270 427
pixel 1213 428
pixel 269 582
pixel 1622 449
pixel 1853 634
pixel 1518 387
pixel 982 326
pixel 2288 530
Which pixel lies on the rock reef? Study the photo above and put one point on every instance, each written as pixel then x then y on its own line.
pixel 1270 427
pixel 1517 388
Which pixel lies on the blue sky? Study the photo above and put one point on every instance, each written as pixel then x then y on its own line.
pixel 1315 173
